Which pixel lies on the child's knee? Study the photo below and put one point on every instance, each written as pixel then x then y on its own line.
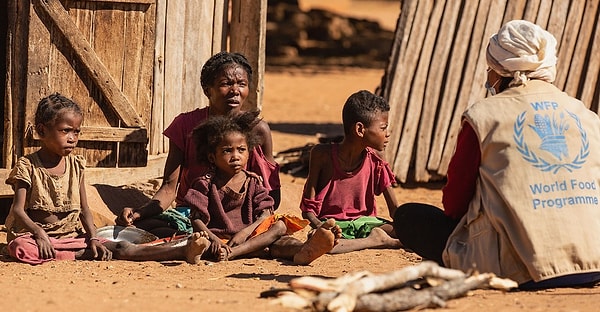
pixel 279 228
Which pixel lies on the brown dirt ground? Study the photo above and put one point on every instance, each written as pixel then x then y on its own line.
pixel 296 103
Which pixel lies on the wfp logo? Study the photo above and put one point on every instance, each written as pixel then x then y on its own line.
pixel 551 131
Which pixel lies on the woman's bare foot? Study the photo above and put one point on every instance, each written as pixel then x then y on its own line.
pixel 196 246
pixel 381 239
pixel 321 242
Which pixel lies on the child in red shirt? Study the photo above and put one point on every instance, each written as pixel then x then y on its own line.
pixel 344 178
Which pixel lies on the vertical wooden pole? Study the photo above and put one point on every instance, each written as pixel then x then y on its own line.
pixel 157 143
pixel 248 35
pixel 220 26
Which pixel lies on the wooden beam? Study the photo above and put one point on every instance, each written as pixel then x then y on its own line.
pixel 109 176
pixel 54 10
pixel 122 1
pixel 110 134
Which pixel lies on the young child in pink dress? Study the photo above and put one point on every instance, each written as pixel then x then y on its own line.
pixel 233 207
pixel 50 218
pixel 344 178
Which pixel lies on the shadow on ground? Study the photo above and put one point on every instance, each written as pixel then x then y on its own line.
pixel 328 129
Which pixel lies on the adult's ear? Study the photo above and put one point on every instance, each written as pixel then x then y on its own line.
pixel 206 92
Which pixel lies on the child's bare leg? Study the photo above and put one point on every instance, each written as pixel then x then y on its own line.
pixel 378 239
pixel 285 248
pixel 321 242
pixel 191 252
pixel 256 245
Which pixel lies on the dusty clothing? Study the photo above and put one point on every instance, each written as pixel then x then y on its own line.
pixel 25 249
pixel 226 211
pixel 535 214
pixel 51 193
pixel 360 227
pixel 292 223
pixel 350 195
pixel 462 174
pixel 179 132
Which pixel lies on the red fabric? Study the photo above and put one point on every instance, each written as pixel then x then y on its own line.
pixel 25 249
pixel 258 164
pixel 463 171
pixel 224 211
pixel 350 195
pixel 179 132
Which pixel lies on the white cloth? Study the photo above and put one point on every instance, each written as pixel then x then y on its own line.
pixel 522 50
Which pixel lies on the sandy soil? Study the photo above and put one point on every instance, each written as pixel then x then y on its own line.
pixel 296 105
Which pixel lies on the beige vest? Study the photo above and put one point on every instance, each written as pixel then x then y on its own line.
pixel 536 210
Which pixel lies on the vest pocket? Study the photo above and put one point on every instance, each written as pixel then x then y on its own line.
pixel 474 246
pixel 479 246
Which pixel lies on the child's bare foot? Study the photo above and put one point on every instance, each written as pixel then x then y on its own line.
pixel 196 246
pixel 321 242
pixel 383 239
pixel 223 254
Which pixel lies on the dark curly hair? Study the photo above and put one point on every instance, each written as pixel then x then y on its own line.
pixel 50 107
pixel 362 107
pixel 209 134
pixel 219 62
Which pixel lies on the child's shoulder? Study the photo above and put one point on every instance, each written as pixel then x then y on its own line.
pixel 253 176
pixel 374 155
pixel 322 151
pixel 326 148
pixel 28 161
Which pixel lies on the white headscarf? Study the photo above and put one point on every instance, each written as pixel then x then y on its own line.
pixel 522 50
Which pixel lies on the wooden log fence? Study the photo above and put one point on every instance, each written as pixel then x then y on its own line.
pixel 437 68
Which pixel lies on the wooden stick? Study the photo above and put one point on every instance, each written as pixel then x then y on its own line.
pixel 408 298
pixel 380 282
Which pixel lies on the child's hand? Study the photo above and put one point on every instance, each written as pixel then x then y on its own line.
pixel 237 239
pixel 99 251
pixel 45 248
pixel 217 247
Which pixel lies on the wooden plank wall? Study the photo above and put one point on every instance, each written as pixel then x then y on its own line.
pixel 187 34
pixel 100 53
pixel 437 68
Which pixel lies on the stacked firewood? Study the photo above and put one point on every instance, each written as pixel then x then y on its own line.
pixel 425 285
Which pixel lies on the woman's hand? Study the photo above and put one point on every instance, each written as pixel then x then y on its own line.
pixel 127 217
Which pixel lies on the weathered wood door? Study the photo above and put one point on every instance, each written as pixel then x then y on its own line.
pixel 101 54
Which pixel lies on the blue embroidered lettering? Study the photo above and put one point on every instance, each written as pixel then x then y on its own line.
pixel 544 105
pixel 581 185
pixel 548 188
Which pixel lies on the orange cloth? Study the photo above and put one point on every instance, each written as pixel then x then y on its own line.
pixel 293 224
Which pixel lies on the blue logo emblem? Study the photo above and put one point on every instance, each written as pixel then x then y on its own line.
pixel 551 131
